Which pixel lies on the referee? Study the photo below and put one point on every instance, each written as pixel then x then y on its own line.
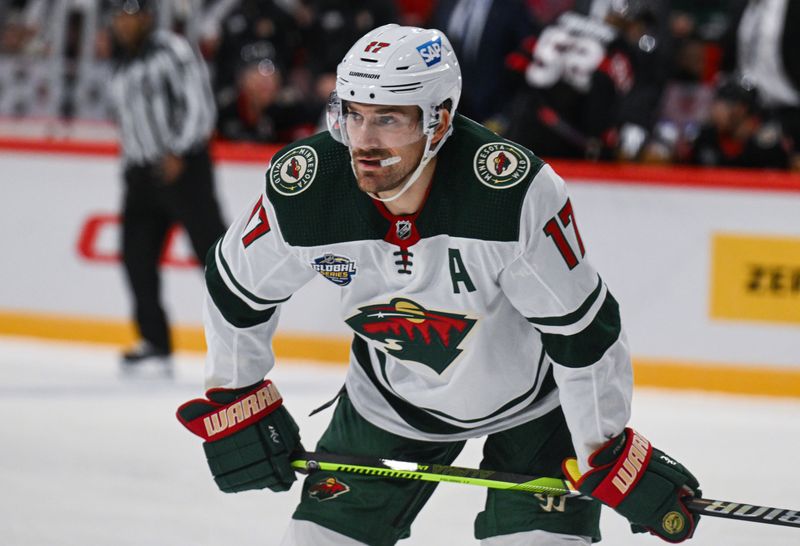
pixel 164 106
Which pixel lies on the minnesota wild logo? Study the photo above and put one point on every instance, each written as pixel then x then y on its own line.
pixel 411 332
pixel 500 165
pixel 294 172
pixel 327 489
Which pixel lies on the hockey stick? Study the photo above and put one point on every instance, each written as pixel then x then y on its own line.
pixel 309 462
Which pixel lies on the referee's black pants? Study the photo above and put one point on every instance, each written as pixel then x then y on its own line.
pixel 151 206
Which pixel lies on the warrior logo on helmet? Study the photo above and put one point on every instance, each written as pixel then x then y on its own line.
pixel 501 165
pixel 327 489
pixel 294 172
pixel 411 332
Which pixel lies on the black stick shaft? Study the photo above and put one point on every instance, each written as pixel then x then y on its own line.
pixel 745 512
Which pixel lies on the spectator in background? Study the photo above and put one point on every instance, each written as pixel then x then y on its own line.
pixel 696 30
pixel 255 30
pixel 763 45
pixel 644 26
pixel 329 28
pixel 545 12
pixel 414 13
pixel 210 25
pixel 19 22
pixel 265 111
pixel 734 135
pixel 166 115
pixel 576 74
pixel 483 33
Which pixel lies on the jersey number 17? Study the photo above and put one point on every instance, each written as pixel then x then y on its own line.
pixel 554 228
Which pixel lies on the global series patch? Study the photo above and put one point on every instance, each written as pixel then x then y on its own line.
pixel 337 269
pixel 295 171
pixel 500 165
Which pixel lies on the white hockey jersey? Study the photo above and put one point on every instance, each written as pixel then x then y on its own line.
pixel 476 314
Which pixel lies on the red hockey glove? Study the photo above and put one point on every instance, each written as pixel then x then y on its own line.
pixel 248 436
pixel 642 484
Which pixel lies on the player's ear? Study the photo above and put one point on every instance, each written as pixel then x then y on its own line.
pixel 445 118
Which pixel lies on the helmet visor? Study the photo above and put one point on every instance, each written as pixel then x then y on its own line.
pixel 374 126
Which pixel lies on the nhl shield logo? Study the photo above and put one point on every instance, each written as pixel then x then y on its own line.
pixel 327 489
pixel 403 229
pixel 500 165
pixel 294 172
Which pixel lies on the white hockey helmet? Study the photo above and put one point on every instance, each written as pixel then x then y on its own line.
pixel 396 65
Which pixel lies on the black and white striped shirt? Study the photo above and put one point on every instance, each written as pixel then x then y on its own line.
pixel 163 100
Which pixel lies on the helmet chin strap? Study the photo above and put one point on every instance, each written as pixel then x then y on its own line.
pixel 426 157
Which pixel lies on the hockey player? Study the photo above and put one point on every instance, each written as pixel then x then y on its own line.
pixel 475 313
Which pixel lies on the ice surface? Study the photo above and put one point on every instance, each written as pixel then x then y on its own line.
pixel 90 458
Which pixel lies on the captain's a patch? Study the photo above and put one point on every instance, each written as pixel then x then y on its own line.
pixel 500 165
pixel 294 172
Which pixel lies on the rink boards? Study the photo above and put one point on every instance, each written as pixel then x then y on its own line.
pixel 705 264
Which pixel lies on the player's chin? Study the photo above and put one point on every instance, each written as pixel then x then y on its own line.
pixel 374 183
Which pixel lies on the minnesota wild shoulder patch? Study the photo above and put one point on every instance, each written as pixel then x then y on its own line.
pixel 500 165
pixel 294 172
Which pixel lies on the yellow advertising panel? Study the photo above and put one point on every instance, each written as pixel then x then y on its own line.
pixel 755 278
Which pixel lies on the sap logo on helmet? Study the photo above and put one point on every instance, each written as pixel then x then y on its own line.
pixel 431 52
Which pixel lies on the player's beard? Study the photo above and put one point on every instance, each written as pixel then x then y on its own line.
pixel 384 179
